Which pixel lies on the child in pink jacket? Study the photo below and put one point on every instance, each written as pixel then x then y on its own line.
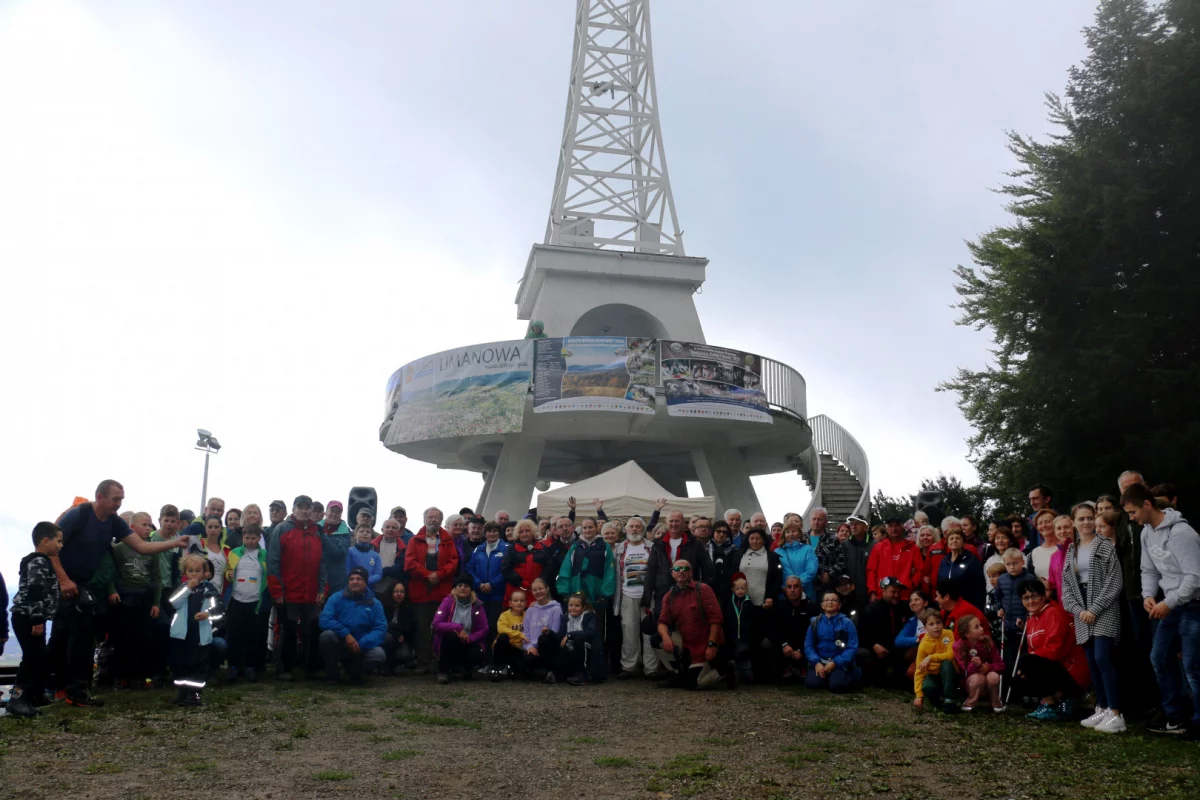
pixel 979 660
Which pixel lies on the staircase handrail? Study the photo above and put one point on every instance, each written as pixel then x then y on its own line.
pixel 831 438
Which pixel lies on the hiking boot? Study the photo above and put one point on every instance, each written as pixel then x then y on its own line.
pixel 21 707
pixel 551 677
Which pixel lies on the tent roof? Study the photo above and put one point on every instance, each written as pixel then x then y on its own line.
pixel 625 490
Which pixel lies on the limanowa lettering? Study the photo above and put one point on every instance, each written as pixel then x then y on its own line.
pixel 489 355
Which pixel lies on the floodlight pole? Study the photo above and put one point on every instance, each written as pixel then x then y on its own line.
pixel 204 486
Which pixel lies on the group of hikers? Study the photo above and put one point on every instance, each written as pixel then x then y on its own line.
pixel 1045 609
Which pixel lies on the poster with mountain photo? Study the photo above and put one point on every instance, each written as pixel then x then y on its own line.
pixel 595 373
pixel 714 382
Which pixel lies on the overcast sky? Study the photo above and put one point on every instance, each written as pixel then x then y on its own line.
pixel 245 216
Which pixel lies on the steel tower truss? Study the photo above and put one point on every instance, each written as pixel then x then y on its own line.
pixel 612 189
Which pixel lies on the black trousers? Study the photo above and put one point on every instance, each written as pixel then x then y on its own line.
pixel 247 635
pixel 493 610
pixel 34 657
pixel 72 645
pixel 875 669
pixel 131 637
pixel 399 654
pixel 299 636
pixel 189 659
pixel 506 654
pixel 455 655
pixel 1040 677
pixel 612 638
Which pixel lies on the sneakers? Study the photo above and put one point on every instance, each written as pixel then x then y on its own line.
pixel 967 708
pixel 1113 723
pixel 1095 719
pixel 83 699
pixel 1044 713
pixel 1169 727
pixel 626 674
pixel 551 678
pixel 1000 709
pixel 1067 708
pixel 500 673
pixel 443 678
pixel 579 679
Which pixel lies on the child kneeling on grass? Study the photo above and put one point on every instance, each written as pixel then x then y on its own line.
pixel 580 656
pixel 507 651
pixel 978 658
pixel 197 607
pixel 935 675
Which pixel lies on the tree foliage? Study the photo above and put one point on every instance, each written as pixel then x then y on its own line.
pixel 958 500
pixel 1092 293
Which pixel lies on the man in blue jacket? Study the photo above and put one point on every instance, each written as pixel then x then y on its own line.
pixel 353 626
pixel 484 567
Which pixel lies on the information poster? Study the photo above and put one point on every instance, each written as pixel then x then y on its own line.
pixel 469 391
pixel 595 373
pixel 713 382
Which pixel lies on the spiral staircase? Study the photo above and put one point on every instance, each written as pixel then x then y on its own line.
pixel 836 471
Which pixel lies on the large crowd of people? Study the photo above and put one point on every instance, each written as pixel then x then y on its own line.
pixel 1041 610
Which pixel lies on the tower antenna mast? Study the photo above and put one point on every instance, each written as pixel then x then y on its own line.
pixel 612 189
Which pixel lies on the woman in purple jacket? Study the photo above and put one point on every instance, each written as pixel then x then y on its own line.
pixel 460 628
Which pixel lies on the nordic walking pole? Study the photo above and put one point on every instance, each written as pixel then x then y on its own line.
pixel 1016 661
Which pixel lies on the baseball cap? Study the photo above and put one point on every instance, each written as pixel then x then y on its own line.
pixel 890 581
pixel 856 518
pixel 278 504
pixel 302 500
pixel 334 504
pixel 897 520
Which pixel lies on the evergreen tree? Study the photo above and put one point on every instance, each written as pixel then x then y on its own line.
pixel 1092 293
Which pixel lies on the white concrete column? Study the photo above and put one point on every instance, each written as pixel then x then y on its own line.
pixel 487 485
pixel 510 487
pixel 723 474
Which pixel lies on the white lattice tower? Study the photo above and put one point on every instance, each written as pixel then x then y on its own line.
pixel 612 189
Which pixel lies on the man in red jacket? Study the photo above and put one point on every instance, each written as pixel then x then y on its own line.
pixel 296 579
pixel 431 561
pixel 893 557
pixel 949 599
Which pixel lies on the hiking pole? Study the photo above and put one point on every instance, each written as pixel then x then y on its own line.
pixel 1016 661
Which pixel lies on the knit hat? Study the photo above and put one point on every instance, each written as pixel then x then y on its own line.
pixel 463 580
pixel 360 571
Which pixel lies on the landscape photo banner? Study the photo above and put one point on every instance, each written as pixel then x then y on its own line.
pixel 595 373
pixel 713 382
pixel 468 391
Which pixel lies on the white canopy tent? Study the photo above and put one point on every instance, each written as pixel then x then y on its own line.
pixel 625 491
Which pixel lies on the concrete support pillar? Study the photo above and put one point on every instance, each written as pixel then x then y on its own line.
pixel 676 487
pixel 487 485
pixel 723 474
pixel 510 487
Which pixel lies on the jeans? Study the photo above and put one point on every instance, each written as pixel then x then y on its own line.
pixel 1181 625
pixel 839 681
pixel 72 643
pixel 1101 665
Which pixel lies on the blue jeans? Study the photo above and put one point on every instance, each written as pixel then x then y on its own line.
pixel 1099 651
pixel 1182 625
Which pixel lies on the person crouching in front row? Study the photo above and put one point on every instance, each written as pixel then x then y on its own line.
pixel 353 627
pixel 830 646
pixel 507 651
pixel 580 658
pixel 459 630
pixel 197 607
pixel 690 626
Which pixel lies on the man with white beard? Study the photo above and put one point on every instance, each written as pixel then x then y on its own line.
pixel 631 557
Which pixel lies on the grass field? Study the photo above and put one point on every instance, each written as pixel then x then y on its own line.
pixel 408 738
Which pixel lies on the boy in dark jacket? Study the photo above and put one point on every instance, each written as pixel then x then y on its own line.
pixel 743 628
pixel 35 603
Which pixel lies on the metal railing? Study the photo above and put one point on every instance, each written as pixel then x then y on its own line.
pixel 784 387
pixel 833 439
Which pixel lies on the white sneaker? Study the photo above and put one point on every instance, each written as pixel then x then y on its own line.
pixel 1115 723
pixel 1095 719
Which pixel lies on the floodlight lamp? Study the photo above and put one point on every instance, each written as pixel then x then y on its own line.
pixel 203 434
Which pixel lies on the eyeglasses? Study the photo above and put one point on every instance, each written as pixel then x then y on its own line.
pixel 681 569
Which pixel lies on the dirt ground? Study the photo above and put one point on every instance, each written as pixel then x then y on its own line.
pixel 409 738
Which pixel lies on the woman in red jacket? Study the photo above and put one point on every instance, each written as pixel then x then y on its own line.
pixel 1053 667
pixel 522 563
